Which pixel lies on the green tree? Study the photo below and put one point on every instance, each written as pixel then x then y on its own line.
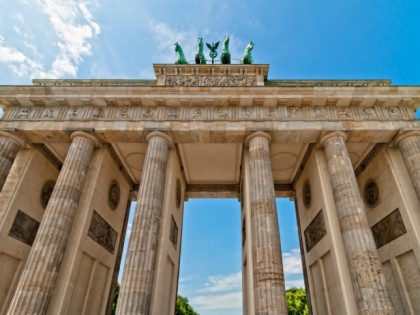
pixel 296 302
pixel 183 307
pixel 114 303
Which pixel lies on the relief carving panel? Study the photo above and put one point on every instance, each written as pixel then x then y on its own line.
pixel 315 231
pixel 388 229
pixel 203 80
pixel 24 228
pixel 102 233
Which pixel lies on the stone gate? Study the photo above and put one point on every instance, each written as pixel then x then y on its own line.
pixel 75 153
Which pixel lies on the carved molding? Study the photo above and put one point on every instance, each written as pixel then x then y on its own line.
pixel 209 113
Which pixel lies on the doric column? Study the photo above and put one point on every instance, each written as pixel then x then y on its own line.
pixel 368 280
pixel 136 287
pixel 36 284
pixel 269 288
pixel 9 147
pixel 409 143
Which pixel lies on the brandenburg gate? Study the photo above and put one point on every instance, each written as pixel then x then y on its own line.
pixel 75 153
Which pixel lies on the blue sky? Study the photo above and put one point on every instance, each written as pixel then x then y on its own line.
pixel 300 39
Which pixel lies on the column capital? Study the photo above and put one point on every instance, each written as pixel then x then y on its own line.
pixel 257 134
pixel 404 134
pixel 86 135
pixel 165 136
pixel 15 138
pixel 332 134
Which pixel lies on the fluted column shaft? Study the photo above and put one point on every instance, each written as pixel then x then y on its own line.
pixel 139 270
pixel 9 148
pixel 36 284
pixel 368 280
pixel 269 288
pixel 409 143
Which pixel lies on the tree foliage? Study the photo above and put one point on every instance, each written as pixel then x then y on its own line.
pixel 114 303
pixel 183 307
pixel 296 302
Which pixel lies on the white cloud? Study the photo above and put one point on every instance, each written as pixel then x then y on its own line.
pixel 219 292
pixel 298 283
pixel 73 36
pixel 217 302
pixel 166 36
pixel 222 283
pixel 292 262
pixel 72 28
pixel 10 54
pixel 224 291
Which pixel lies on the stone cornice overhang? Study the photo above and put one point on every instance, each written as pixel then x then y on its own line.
pixel 126 95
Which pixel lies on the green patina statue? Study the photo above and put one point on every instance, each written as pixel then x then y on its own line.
pixel 213 52
pixel 247 58
pixel 180 53
pixel 225 55
pixel 199 56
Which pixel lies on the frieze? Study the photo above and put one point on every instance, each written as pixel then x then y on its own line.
pixel 388 229
pixel 102 233
pixel 315 231
pixel 211 113
pixel 208 80
pixel 24 228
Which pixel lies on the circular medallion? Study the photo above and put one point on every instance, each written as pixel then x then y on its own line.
pixel 46 192
pixel 306 194
pixel 114 195
pixel 371 193
pixel 178 193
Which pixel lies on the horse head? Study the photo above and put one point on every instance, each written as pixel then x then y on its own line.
pixel 200 42
pixel 250 46
pixel 177 47
pixel 226 41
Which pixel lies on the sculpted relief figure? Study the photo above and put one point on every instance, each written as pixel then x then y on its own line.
pixel 24 113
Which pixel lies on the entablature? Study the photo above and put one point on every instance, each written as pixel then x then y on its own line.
pixel 108 96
